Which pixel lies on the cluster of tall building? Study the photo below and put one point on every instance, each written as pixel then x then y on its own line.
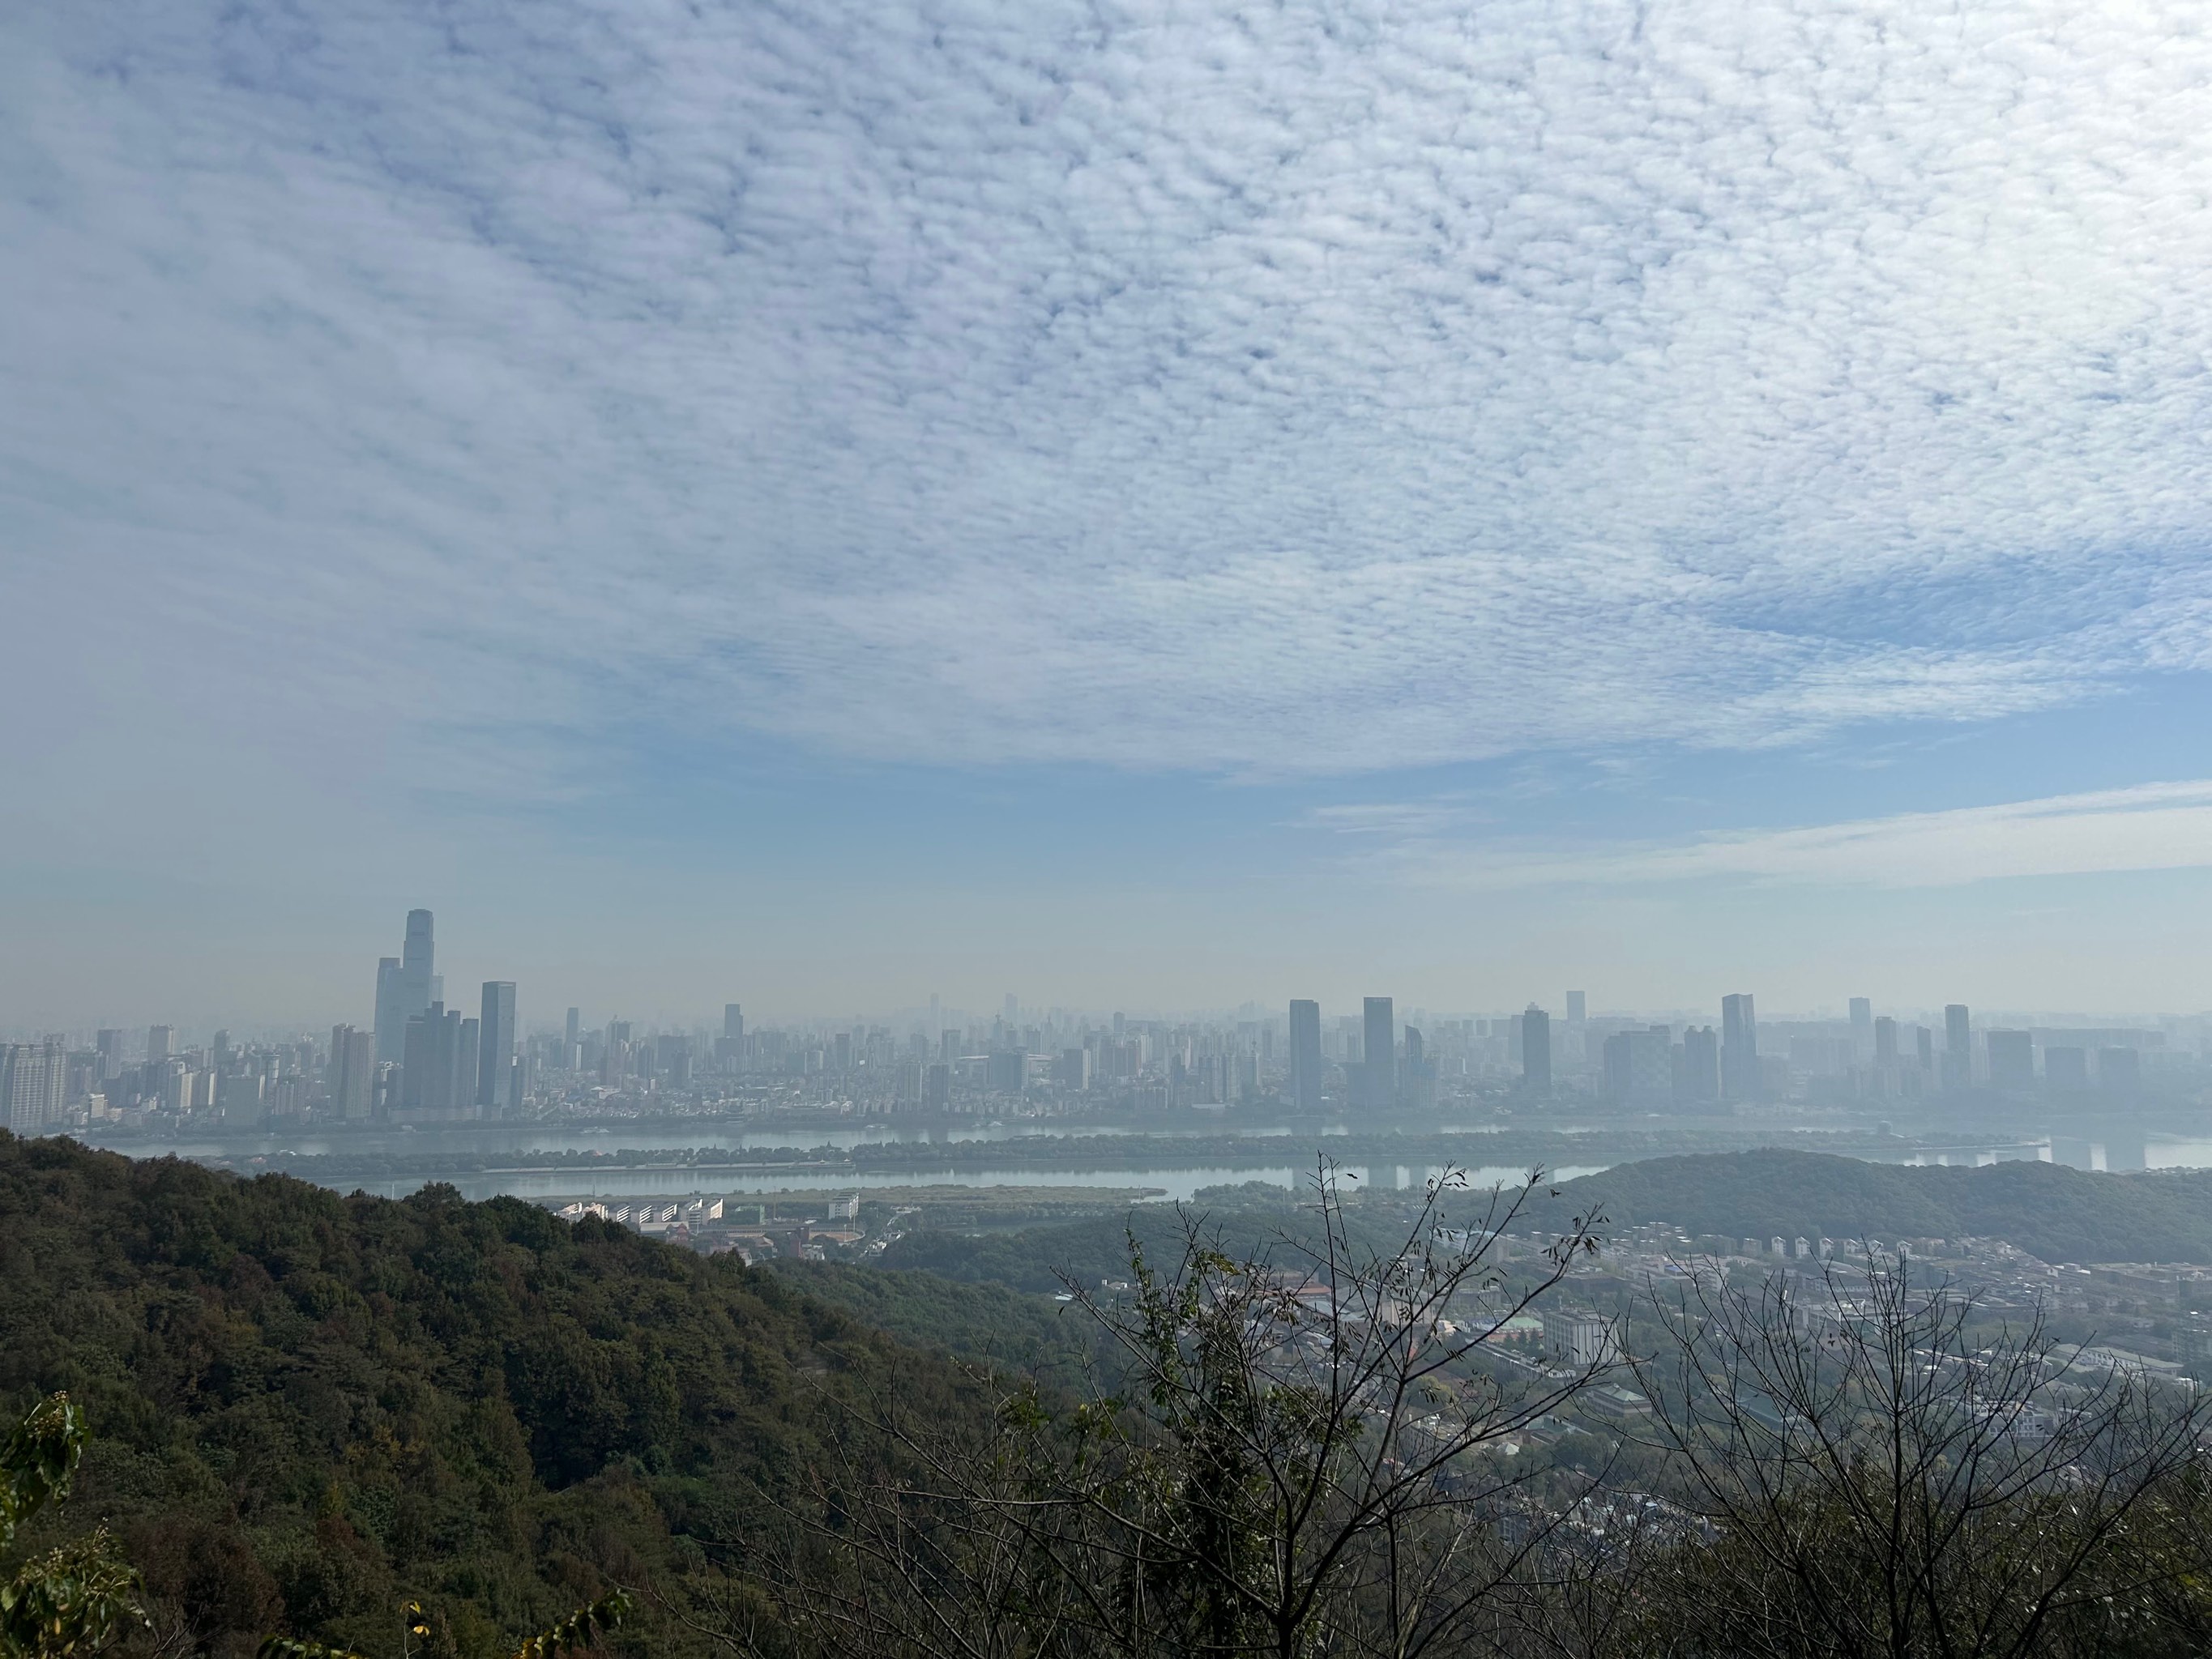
pixel 431 1062
pixel 47 1083
pixel 422 1061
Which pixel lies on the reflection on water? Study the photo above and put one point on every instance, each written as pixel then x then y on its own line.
pixel 2111 1150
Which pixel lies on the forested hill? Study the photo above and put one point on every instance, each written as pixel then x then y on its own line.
pixel 2057 1214
pixel 306 1409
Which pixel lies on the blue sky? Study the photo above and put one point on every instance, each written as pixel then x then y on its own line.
pixel 1141 504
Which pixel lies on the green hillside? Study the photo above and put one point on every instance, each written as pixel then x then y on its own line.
pixel 977 1323
pixel 307 1408
pixel 2057 1214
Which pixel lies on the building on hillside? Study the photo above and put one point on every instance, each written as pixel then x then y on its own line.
pixel 1580 1338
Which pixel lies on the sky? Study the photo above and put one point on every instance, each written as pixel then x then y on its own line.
pixel 1151 505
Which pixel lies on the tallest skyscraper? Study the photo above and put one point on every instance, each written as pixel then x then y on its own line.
pixel 407 985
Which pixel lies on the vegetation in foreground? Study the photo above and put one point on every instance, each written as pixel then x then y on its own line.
pixel 308 1413
pixel 306 1410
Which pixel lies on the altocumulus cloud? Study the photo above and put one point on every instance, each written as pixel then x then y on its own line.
pixel 1258 388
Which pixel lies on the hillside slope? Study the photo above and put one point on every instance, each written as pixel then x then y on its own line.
pixel 306 1407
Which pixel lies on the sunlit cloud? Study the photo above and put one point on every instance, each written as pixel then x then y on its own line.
pixel 2164 826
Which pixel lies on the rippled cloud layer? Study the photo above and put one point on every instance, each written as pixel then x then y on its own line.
pixel 1264 390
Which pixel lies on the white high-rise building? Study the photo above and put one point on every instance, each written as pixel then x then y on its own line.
pixel 32 1078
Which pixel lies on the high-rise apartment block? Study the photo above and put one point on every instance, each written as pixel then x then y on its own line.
pixel 1701 1067
pixel 1537 1051
pixel 1378 1067
pixel 1739 1075
pixel 2012 1061
pixel 1638 1066
pixel 33 1080
pixel 2066 1069
pixel 1958 1047
pixel 438 1074
pixel 495 1072
pixel 1305 1056
pixel 352 1074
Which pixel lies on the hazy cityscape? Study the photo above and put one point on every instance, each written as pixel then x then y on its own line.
pixel 1341 829
pixel 419 1061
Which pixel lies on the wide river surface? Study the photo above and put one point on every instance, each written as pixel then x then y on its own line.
pixel 1281 1156
pixel 1160 1177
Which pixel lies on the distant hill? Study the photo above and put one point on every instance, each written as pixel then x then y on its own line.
pixel 2057 1213
pixel 307 1408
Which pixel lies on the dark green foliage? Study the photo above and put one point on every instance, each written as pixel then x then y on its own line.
pixel 306 1407
pixel 79 1594
pixel 2051 1212
pixel 980 1323
pixel 1247 1221
pixel 41 1454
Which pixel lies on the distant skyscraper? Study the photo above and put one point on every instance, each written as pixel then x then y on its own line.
pixel 438 1077
pixel 1305 1056
pixel 1701 1066
pixel 2119 1071
pixel 161 1041
pixel 404 987
pixel 468 1057
pixel 1637 1068
pixel 109 1045
pixel 1537 1051
pixel 1958 1047
pixel 730 1047
pixel 495 1050
pixel 1578 1007
pixel 572 1030
pixel 1923 1048
pixel 2012 1061
pixel 389 1019
pixel 1378 1067
pixel 1861 1027
pixel 1739 1048
pixel 2066 1069
pixel 1885 1041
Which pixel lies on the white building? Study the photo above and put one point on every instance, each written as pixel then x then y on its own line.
pixel 1581 1339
